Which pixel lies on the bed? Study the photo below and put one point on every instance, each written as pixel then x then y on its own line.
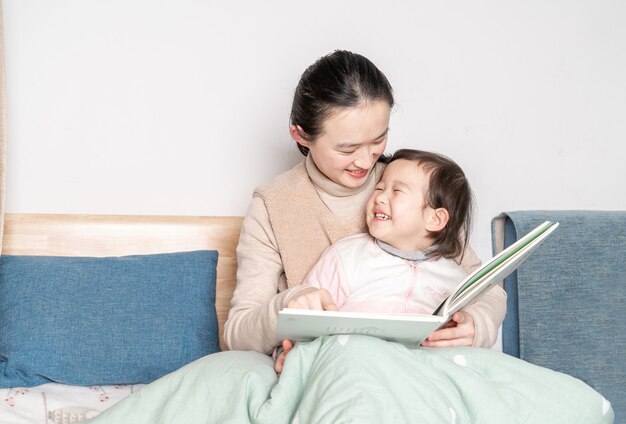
pixel 92 329
pixel 107 236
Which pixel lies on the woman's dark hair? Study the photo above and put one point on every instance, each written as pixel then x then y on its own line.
pixel 448 188
pixel 339 80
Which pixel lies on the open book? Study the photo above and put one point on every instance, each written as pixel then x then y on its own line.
pixel 412 329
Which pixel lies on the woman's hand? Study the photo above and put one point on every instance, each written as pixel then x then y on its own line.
pixel 318 299
pixel 460 331
pixel 280 361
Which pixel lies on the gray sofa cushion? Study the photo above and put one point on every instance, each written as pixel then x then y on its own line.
pixel 566 304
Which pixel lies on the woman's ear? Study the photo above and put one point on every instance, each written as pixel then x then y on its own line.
pixel 437 219
pixel 298 135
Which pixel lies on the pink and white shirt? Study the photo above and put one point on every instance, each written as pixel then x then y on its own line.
pixel 362 277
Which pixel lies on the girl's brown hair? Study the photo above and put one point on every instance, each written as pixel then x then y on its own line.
pixel 448 188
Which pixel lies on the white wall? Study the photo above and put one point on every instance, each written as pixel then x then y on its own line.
pixel 181 106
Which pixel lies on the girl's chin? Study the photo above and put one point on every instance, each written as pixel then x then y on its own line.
pixel 375 232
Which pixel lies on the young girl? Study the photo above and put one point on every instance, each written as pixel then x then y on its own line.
pixel 339 119
pixel 419 218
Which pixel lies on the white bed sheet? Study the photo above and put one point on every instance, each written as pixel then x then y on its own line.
pixel 58 403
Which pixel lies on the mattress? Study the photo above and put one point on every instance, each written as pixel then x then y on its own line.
pixel 55 403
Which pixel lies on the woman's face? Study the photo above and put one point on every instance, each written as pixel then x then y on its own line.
pixel 352 141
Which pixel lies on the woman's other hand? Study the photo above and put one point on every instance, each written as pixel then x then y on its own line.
pixel 317 299
pixel 280 361
pixel 460 331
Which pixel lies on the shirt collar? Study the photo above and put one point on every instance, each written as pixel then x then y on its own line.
pixel 409 255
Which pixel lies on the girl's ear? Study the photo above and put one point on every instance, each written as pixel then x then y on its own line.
pixel 298 135
pixel 437 219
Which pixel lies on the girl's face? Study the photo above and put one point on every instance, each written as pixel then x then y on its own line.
pixel 352 141
pixel 396 212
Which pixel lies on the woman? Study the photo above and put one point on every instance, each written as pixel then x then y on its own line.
pixel 340 121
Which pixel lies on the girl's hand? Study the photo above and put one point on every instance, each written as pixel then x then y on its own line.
pixel 460 331
pixel 318 299
pixel 280 361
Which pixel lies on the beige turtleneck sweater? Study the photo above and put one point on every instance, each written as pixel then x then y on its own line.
pixel 288 225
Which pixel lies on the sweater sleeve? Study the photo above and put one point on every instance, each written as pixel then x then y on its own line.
pixel 253 316
pixel 488 310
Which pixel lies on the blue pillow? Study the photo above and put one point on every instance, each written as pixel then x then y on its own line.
pixel 97 321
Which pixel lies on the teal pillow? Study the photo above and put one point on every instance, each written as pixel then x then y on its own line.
pixel 97 321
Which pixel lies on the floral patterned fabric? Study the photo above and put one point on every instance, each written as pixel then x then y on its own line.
pixel 58 403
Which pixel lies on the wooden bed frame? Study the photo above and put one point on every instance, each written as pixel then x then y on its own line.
pixel 117 235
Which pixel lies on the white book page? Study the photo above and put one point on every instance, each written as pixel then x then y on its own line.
pixel 302 325
pixel 500 266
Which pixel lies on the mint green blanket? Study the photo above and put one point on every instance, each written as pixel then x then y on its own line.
pixel 360 379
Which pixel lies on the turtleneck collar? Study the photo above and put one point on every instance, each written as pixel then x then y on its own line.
pixel 323 183
pixel 409 255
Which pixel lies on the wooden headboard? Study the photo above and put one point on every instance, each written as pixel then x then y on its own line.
pixel 117 235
